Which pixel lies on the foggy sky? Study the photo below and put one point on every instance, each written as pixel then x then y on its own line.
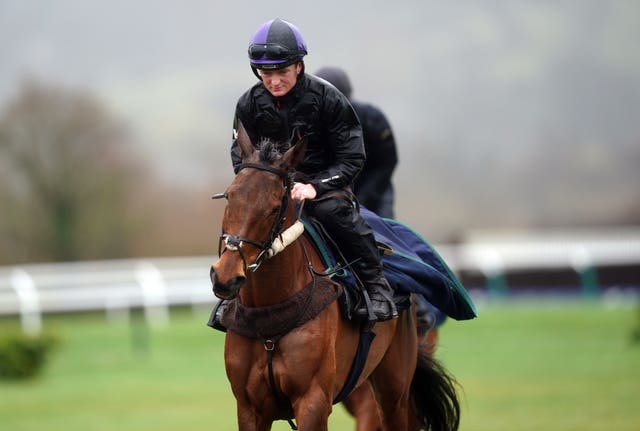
pixel 503 111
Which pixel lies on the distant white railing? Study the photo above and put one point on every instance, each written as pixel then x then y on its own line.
pixel 156 284
pixel 150 284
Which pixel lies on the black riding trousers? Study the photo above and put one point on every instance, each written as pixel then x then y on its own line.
pixel 351 232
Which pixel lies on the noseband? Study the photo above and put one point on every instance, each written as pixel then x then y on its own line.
pixel 234 242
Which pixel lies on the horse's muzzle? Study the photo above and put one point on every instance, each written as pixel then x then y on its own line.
pixel 228 290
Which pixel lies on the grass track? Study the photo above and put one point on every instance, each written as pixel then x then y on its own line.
pixel 524 366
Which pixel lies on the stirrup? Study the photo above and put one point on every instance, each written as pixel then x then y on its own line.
pixel 392 313
pixel 367 311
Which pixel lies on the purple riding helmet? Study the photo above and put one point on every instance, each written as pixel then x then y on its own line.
pixel 275 45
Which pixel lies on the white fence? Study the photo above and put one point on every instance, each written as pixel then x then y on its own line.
pixel 496 251
pixel 156 284
pixel 151 284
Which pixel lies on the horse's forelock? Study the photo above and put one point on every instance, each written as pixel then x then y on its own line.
pixel 270 151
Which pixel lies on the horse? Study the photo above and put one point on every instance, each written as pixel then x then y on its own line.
pixel 291 356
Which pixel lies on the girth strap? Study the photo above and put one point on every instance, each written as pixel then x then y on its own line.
pixel 366 337
pixel 269 346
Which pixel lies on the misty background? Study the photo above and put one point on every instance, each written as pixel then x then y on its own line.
pixel 506 114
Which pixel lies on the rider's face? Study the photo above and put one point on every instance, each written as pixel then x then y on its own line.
pixel 280 81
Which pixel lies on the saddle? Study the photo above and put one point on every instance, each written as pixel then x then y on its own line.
pixel 338 270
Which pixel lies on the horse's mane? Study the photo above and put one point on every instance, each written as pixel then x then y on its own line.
pixel 270 150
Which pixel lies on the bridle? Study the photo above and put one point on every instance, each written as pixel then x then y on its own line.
pixel 232 242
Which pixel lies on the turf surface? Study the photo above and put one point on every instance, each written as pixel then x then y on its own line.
pixel 530 365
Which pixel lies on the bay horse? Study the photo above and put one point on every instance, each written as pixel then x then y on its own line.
pixel 291 355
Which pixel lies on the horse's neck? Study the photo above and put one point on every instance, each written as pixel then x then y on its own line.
pixel 277 279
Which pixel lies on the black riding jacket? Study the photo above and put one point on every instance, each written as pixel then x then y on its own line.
pixel 380 146
pixel 335 152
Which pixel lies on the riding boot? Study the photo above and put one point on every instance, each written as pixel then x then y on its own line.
pixel 380 295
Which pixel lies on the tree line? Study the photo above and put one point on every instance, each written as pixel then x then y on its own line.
pixel 72 186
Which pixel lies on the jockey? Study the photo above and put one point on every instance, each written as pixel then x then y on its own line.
pixel 288 101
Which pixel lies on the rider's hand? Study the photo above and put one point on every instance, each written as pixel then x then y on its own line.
pixel 301 191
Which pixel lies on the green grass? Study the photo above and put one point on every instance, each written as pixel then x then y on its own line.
pixel 563 366
pixel 532 366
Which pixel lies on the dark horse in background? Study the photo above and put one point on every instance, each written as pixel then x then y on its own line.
pixel 288 348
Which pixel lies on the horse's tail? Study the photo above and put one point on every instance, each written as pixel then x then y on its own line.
pixel 434 396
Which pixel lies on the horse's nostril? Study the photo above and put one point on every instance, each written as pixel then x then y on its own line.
pixel 212 275
pixel 228 289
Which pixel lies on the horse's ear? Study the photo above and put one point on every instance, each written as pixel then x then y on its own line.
pixel 244 142
pixel 294 155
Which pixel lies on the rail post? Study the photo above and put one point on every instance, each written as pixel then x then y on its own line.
pixel 492 266
pixel 154 294
pixel 582 263
pixel 30 313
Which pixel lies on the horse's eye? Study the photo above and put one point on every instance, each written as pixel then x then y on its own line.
pixel 275 211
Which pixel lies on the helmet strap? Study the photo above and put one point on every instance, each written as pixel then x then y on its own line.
pixel 255 72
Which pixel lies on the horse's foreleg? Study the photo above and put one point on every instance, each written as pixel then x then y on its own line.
pixel 312 411
pixel 251 420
